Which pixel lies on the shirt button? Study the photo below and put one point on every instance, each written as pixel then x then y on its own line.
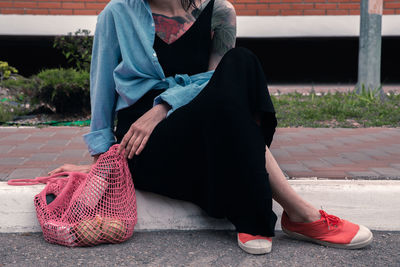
pixel 163 79
pixel 154 54
pixel 152 24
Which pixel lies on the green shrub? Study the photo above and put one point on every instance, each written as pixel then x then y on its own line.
pixel 76 48
pixel 21 89
pixel 65 89
pixel 6 71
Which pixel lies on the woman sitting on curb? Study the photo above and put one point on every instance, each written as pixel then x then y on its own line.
pixel 196 119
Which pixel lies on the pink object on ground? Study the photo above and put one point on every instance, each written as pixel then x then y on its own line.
pixel 89 209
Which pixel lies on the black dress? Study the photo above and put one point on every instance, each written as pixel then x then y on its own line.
pixel 210 151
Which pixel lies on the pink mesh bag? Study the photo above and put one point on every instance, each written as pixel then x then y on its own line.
pixel 89 209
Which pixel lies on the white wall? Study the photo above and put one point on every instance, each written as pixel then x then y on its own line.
pixel 248 26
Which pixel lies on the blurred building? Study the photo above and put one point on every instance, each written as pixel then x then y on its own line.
pixel 298 41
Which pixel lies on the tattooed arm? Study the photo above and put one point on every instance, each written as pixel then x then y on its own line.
pixel 223 26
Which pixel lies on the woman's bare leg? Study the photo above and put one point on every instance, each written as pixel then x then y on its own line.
pixel 296 207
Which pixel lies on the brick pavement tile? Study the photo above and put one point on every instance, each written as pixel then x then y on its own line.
pixel 16 137
pixel 73 153
pixel 44 134
pixel 295 149
pixel 26 173
pixel 6 148
pixel 378 135
pixel 315 163
pixel 279 144
pixel 17 154
pixel 364 174
pixel 331 143
pixel 294 167
pixel 366 138
pixel 347 140
pixel 35 163
pixel 287 161
pixel 62 161
pixel 337 160
pixel 86 162
pixel 12 161
pixel 59 142
pixel 395 165
pixel 314 132
pixel 389 172
pixel 314 146
pixel 37 139
pixel 376 153
pixel 336 150
pixel 3 176
pixel 366 164
pixel 28 146
pixel 52 148
pixel 76 146
pixel 286 134
pixel 355 156
pixel 279 153
pixel 393 132
pixel 79 139
pixel 8 129
pixel 47 157
pixel 67 131
pixel 391 149
pixel 49 129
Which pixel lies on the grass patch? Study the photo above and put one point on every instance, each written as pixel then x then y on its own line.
pixel 9 112
pixel 347 110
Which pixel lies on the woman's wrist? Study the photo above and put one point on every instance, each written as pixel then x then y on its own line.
pixel 164 107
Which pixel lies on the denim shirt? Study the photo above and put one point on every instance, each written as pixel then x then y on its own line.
pixel 124 67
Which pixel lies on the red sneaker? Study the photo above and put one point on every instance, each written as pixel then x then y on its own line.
pixel 329 231
pixel 254 244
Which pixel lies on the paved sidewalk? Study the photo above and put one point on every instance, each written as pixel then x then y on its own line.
pixel 339 153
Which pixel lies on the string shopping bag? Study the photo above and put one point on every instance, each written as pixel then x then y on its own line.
pixel 89 209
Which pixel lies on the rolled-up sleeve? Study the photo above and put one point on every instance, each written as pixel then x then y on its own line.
pixel 182 89
pixel 106 55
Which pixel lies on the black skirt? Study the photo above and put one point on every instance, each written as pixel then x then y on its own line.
pixel 211 151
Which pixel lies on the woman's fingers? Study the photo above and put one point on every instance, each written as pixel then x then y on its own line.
pixel 129 144
pixel 71 168
pixel 135 145
pixel 59 169
pixel 142 145
pixel 125 140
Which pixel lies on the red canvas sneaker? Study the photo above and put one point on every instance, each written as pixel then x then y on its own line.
pixel 329 231
pixel 254 244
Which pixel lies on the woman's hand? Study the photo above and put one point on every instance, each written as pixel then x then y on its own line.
pixel 71 168
pixel 138 134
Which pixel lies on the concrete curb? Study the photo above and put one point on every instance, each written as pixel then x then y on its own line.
pixel 374 204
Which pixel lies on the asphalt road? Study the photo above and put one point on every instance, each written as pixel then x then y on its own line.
pixel 194 248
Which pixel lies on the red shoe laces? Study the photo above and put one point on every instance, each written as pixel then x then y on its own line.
pixel 330 219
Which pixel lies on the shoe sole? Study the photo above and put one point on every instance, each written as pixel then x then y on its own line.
pixel 252 250
pixel 328 244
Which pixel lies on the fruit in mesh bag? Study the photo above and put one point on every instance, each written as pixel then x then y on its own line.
pixel 113 229
pixel 88 231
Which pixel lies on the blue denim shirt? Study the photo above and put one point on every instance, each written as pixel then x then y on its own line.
pixel 124 67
